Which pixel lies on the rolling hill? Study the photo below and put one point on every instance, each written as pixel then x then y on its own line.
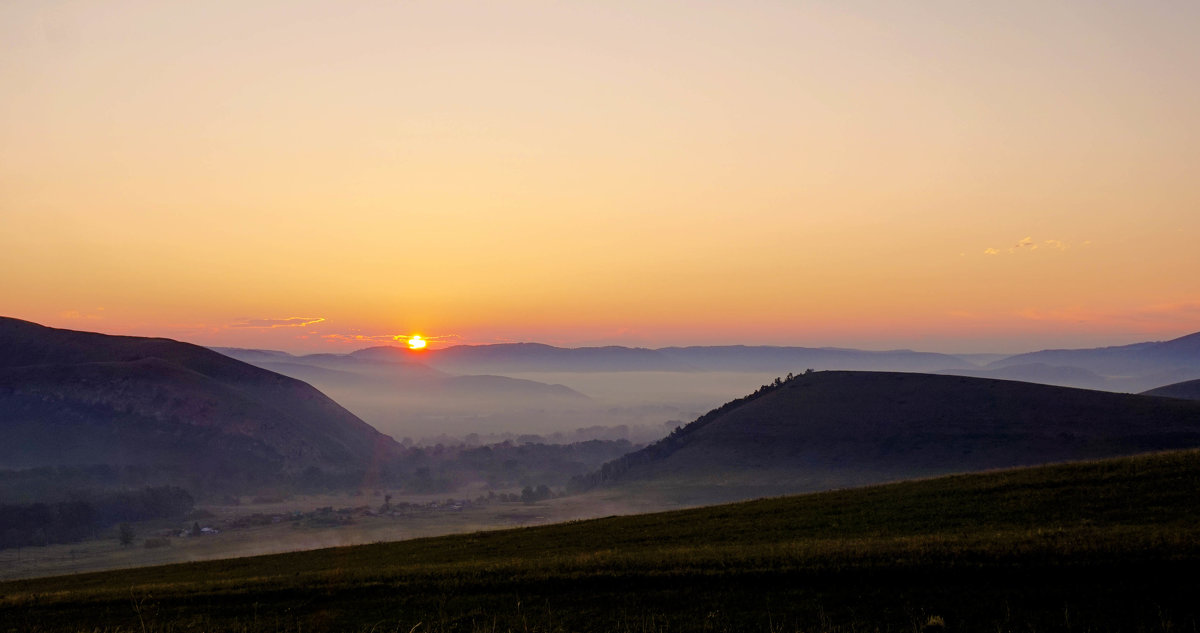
pixel 834 429
pixel 70 398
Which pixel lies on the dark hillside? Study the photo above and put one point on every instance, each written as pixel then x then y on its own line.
pixel 75 398
pixel 1188 390
pixel 834 429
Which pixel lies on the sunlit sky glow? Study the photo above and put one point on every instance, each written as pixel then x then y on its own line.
pixel 951 176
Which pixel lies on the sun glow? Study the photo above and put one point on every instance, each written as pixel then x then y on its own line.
pixel 416 342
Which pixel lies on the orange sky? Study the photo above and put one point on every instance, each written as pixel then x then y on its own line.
pixel 874 174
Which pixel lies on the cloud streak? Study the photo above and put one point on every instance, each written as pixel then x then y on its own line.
pixel 270 324
pixel 1029 244
pixel 1156 318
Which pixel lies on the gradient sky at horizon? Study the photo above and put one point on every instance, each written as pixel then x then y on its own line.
pixel 317 176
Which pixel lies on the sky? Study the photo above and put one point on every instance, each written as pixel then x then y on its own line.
pixel 323 176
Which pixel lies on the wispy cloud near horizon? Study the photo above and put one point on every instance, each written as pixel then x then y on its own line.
pixel 1029 244
pixel 1155 318
pixel 277 323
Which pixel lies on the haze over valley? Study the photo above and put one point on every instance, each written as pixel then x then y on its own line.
pixel 615 391
pixel 462 316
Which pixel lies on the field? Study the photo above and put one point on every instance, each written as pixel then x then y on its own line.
pixel 251 529
pixel 1112 545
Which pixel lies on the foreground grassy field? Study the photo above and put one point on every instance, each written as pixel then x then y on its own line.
pixel 1102 546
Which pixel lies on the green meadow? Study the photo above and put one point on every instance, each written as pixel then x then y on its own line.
pixel 1111 545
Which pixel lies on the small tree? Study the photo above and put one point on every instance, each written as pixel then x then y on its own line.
pixel 125 534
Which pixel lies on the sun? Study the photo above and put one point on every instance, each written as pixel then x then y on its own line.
pixel 416 342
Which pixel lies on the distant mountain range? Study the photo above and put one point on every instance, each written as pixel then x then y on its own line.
pixel 531 387
pixel 1121 360
pixel 836 429
pixel 71 398
pixel 1128 368
pixel 536 357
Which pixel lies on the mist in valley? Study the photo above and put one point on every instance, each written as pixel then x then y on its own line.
pixel 427 405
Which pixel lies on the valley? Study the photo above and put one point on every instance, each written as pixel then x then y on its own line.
pixel 1100 546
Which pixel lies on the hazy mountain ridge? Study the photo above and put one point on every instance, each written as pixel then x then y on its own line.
pixel 519 357
pixel 1129 368
pixel 1184 351
pixel 783 359
pixel 392 368
pixel 86 398
pixel 532 357
pixel 1123 368
pixel 834 429
pixel 414 393
pixel 1132 368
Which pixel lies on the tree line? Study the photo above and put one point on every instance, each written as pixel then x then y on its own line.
pixel 22 525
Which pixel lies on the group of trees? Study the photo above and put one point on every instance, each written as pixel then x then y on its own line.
pixel 69 521
pixel 446 468
pixel 533 495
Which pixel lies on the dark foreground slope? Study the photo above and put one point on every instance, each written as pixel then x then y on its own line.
pixel 72 398
pixel 1102 546
pixel 833 429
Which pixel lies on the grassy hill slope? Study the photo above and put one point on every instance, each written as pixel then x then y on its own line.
pixel 1101 546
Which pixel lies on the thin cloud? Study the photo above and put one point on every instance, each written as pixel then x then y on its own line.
pixel 1029 244
pixel 76 315
pixel 1184 310
pixel 439 338
pixel 1155 318
pixel 338 337
pixel 270 324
